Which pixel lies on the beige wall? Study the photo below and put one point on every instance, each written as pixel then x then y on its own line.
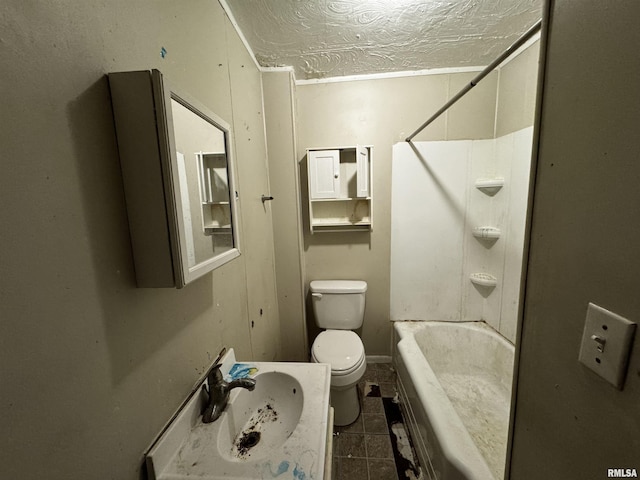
pixel 569 423
pixel 279 98
pixel 92 366
pixel 379 113
pixel 382 112
pixel 257 242
pixel 515 108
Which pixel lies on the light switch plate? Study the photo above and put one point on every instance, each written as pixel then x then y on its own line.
pixel 606 344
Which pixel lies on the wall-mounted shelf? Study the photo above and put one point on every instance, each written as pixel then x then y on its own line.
pixel 351 227
pixel 490 186
pixel 217 230
pixel 483 279
pixel 340 189
pixel 214 192
pixel 339 199
pixel 487 232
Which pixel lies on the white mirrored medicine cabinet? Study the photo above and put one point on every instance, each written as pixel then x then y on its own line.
pixel 179 180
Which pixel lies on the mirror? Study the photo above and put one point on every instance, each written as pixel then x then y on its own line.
pixel 188 150
pixel 203 181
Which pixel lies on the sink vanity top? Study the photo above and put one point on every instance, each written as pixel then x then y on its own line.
pixel 278 430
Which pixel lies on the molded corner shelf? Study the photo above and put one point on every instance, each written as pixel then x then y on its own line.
pixel 483 279
pixel 490 186
pixel 486 232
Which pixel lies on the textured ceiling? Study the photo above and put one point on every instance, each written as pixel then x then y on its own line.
pixel 329 38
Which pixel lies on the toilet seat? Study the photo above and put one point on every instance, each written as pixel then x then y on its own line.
pixel 342 349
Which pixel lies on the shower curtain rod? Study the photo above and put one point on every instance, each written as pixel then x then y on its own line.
pixel 517 44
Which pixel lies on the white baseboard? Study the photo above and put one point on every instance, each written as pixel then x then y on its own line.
pixel 378 358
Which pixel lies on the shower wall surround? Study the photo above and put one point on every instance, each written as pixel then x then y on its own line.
pixel 435 206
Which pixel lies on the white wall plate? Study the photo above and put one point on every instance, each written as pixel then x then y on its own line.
pixel 606 344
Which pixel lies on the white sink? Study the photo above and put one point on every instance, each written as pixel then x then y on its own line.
pixel 259 422
pixel 277 430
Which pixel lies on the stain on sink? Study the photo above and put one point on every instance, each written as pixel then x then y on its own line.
pixel 246 441
pixel 250 436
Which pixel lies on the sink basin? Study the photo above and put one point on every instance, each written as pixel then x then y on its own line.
pixel 277 430
pixel 259 422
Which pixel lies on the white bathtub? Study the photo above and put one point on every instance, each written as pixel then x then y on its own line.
pixel 455 388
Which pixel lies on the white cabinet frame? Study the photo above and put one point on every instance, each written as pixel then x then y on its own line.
pixel 340 188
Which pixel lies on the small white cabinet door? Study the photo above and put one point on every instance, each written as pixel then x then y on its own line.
pixel 324 173
pixel 362 172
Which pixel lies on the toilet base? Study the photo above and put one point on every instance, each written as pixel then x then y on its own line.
pixel 345 404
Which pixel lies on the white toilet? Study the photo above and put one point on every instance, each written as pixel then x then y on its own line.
pixel 338 306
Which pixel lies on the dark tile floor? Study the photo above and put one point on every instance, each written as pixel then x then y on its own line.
pixel 370 448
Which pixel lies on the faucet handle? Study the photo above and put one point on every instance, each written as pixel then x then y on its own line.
pixel 214 373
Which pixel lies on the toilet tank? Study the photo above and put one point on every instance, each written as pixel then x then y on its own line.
pixel 338 304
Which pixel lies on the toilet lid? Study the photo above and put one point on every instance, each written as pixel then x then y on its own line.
pixel 342 349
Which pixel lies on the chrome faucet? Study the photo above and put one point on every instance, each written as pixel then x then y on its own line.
pixel 219 393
